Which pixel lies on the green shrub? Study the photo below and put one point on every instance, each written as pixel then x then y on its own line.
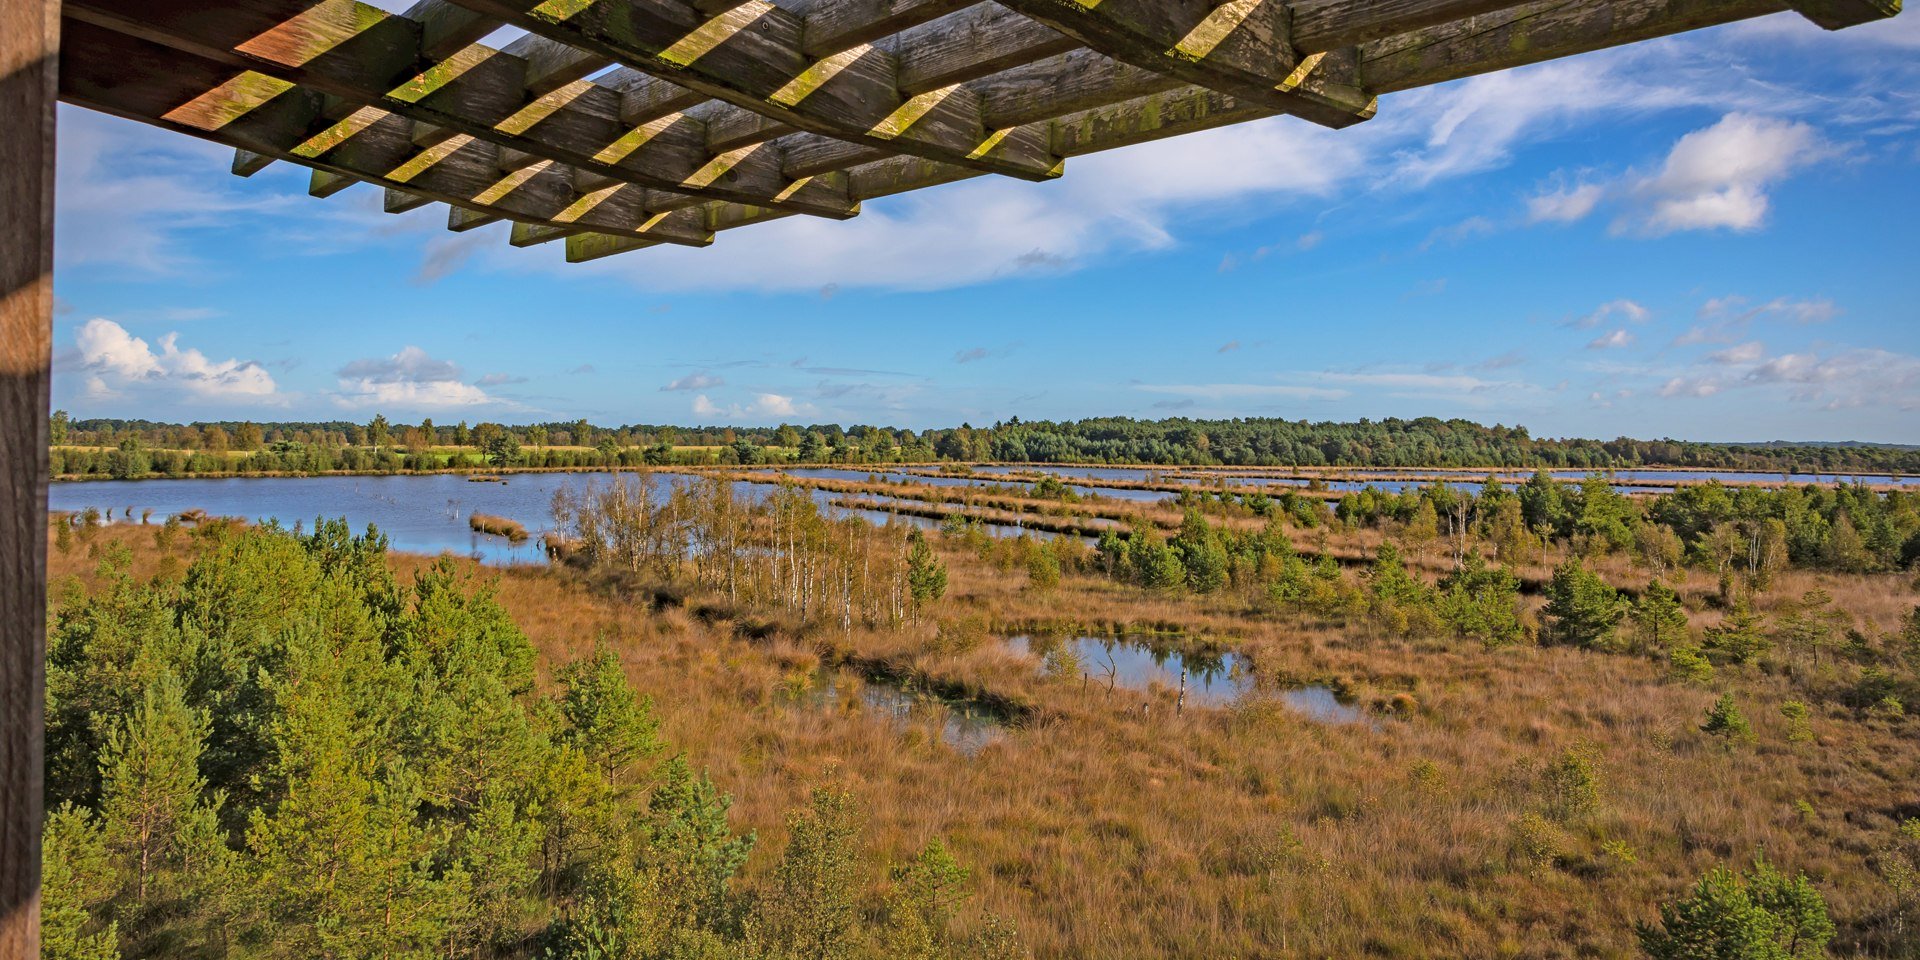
pixel 1686 664
pixel 1725 720
pixel 1799 721
pixel 1757 915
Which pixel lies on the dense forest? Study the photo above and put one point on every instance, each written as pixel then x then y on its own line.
pixel 284 751
pixel 134 448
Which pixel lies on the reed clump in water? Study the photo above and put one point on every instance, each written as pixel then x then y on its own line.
pixel 492 525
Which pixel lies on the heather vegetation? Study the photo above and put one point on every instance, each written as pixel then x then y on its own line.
pixel 285 750
pixel 137 448
pixel 1577 723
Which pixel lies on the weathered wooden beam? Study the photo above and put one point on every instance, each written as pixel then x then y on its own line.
pixel 446 28
pixel 1240 46
pixel 835 25
pixel 982 41
pixel 529 235
pixel 829 27
pixel 552 65
pixel 361 54
pixel 753 56
pixel 29 51
pixel 460 219
pixel 246 163
pixel 322 184
pixel 1022 100
pixel 1321 25
pixel 400 201
pixel 1528 33
pixel 126 76
pixel 1535 32
pixel 1840 14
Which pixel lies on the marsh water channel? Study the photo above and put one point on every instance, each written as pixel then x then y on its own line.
pixel 1158 665
pixel 418 513
pixel 429 514
pixel 1135 671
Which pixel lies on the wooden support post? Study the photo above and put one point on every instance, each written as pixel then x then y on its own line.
pixel 29 59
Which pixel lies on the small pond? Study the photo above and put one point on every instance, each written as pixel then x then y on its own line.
pixel 967 727
pixel 1137 663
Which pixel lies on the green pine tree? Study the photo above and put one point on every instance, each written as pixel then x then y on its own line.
pixel 1725 720
pixel 1582 610
pixel 926 575
pixel 606 720
pixel 925 891
pixel 151 785
pixel 1757 915
pixel 811 911
pixel 692 854
pixel 77 877
pixel 1739 638
pixel 1659 620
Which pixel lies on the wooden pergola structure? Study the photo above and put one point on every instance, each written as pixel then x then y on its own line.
pixel 620 124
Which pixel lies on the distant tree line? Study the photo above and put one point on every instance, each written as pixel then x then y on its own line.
pixel 137 448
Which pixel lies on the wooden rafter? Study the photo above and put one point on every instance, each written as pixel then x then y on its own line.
pixel 357 52
pixel 1514 36
pixel 616 125
pixel 752 56
pixel 275 118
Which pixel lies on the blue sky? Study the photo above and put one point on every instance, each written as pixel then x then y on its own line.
pixel 1705 237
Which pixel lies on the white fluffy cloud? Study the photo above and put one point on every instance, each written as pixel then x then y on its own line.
pixel 1565 205
pixel 1718 177
pixel 1750 352
pixel 1726 319
pixel 409 380
pixel 1331 385
pixel 1629 310
pixel 695 381
pixel 1714 178
pixel 119 363
pixel 1837 379
pixel 764 407
pixel 1613 340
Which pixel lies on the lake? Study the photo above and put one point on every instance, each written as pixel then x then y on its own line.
pixel 421 513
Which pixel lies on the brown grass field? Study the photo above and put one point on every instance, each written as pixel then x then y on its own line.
pixel 1106 830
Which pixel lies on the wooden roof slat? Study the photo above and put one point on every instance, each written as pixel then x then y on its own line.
pixel 720 114
pixel 532 234
pixel 752 57
pixel 286 121
pixel 831 26
pixel 1321 25
pixel 323 184
pixel 246 163
pixel 1526 33
pixel 447 28
pixel 990 39
pixel 1242 47
pixel 980 42
pixel 355 51
pixel 460 219
pixel 551 64
pixel 400 201
pixel 1534 32
pixel 1840 14
pixel 1523 33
